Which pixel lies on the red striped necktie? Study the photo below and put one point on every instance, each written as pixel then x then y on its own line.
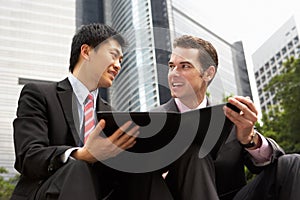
pixel 89 121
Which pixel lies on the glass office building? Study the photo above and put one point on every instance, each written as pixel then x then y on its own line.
pixel 141 84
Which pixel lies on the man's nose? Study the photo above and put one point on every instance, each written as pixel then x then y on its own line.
pixel 174 71
pixel 117 65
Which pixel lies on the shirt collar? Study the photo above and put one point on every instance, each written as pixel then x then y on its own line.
pixel 80 90
pixel 183 108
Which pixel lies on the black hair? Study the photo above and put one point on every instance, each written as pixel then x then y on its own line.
pixel 92 35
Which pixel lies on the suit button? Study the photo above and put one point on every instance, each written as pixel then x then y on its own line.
pixel 50 168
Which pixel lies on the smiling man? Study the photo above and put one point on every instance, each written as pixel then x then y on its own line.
pixel 192 66
pixel 56 133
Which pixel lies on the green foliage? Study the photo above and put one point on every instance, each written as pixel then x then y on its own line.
pixel 282 123
pixel 6 186
pixel 225 98
pixel 249 175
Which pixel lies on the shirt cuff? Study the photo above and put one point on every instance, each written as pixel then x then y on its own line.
pixel 65 156
pixel 262 155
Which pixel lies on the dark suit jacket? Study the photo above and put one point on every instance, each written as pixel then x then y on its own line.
pixel 229 164
pixel 45 127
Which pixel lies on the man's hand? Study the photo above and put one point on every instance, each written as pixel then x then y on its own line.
pixel 245 120
pixel 98 148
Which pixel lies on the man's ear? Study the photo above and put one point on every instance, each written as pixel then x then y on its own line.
pixel 85 51
pixel 209 73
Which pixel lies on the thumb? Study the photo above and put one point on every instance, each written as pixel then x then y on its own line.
pixel 99 127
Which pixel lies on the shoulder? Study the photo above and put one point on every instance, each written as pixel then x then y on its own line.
pixel 168 106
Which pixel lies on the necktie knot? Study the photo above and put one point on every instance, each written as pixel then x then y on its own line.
pixel 90 97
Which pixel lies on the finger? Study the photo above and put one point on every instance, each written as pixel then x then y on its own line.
pixel 120 131
pixel 130 142
pixel 132 133
pixel 246 106
pixel 232 115
pixel 239 120
pixel 248 102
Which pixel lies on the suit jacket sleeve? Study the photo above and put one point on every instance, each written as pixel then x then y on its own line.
pixel 36 157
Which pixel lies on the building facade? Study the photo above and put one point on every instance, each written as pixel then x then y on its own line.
pixel 269 58
pixel 35 39
pixel 141 84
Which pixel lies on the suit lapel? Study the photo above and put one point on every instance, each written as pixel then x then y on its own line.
pixel 102 105
pixel 67 101
pixel 171 106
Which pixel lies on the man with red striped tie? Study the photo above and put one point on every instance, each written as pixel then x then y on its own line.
pixel 56 134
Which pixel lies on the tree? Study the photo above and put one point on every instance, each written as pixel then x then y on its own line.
pixel 7 186
pixel 283 121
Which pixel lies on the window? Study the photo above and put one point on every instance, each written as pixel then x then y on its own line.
pixel 267 96
pixel 261 100
pixel 261 70
pixel 263 79
pixel 274 69
pixel 272 92
pixel 278 55
pixel 268 74
pixel 283 50
pixel 256 74
pixel 258 83
pixel 292 53
pixel 296 40
pixel 272 61
pixel 290 45
pixel 298 50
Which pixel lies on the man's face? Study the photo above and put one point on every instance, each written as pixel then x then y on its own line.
pixel 105 63
pixel 185 74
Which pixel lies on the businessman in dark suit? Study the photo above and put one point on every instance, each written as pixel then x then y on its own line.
pixel 192 66
pixel 57 137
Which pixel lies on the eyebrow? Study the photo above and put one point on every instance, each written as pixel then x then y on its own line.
pixel 184 62
pixel 117 51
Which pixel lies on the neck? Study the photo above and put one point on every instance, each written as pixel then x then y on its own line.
pixel 83 76
pixel 192 103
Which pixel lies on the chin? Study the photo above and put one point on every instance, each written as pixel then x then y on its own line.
pixel 173 95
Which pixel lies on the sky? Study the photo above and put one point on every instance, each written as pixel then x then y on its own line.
pixel 249 21
pixel 252 22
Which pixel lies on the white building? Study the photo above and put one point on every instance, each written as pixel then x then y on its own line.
pixel 269 58
pixel 35 38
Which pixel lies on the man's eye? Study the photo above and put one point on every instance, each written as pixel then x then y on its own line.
pixel 114 55
pixel 185 66
pixel 171 67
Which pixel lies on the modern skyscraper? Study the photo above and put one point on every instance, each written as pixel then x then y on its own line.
pixel 269 58
pixel 141 83
pixel 35 39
